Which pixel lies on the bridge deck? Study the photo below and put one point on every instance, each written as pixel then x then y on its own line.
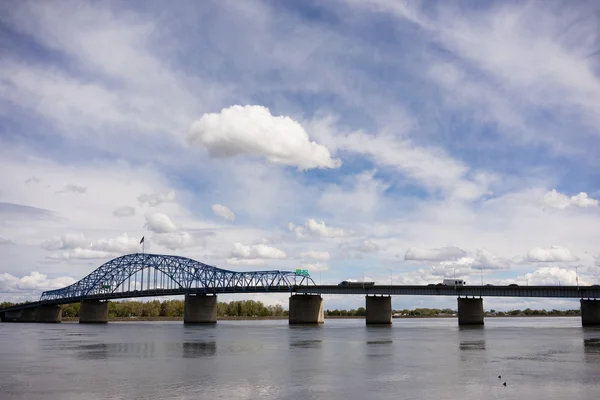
pixel 581 292
pixel 435 290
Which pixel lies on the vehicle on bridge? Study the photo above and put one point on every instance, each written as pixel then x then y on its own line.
pixel 356 284
pixel 453 282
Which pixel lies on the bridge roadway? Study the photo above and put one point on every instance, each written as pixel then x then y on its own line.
pixel 576 292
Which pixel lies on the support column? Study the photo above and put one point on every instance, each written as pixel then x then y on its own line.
pixel 93 312
pixel 200 309
pixel 470 311
pixel 48 313
pixel 379 310
pixel 11 316
pixel 306 309
pixel 590 312
pixel 27 315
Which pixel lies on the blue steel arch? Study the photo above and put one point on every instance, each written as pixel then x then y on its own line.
pixel 186 273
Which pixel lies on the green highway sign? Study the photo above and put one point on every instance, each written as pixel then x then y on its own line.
pixel 303 272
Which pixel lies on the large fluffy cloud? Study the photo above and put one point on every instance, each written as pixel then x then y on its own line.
pixel 552 276
pixel 160 223
pixel 223 212
pixel 551 254
pixel 318 228
pixel 175 240
pixel 482 259
pixel 441 254
pixel 32 282
pixel 66 242
pixel 76 246
pixel 253 130
pixel 257 251
pixel 561 201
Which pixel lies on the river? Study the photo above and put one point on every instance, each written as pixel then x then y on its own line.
pixel 538 358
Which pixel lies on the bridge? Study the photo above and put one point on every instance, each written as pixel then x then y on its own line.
pixel 153 275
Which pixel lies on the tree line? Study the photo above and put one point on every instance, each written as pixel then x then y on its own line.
pixel 251 308
pixel 174 309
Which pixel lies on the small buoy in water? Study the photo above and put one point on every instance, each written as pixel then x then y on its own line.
pixel 504 383
pixel 499 376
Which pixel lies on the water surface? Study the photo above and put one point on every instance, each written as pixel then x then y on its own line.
pixel 538 358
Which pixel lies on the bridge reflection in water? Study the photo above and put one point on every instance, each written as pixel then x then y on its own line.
pixel 153 275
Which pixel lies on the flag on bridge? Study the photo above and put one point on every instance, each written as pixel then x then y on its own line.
pixel 142 241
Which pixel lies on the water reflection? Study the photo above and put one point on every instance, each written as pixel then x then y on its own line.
pixel 376 342
pixel 591 346
pixel 470 327
pixel 199 349
pixel 307 344
pixel 472 345
pixel 104 350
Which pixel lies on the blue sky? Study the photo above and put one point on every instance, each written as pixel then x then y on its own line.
pixel 345 137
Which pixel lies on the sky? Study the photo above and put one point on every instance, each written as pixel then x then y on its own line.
pixel 374 139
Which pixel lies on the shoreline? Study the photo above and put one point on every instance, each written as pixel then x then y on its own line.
pixel 149 319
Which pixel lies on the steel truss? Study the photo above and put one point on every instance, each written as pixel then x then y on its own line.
pixel 138 273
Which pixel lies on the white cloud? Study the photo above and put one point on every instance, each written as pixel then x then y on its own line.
pixel 482 259
pixel 368 246
pixel 551 254
pixel 125 211
pixel 431 167
pixel 5 242
pixel 441 254
pixel 160 223
pixel 122 244
pixel 253 130
pixel 551 276
pixel 316 255
pixel 175 240
pixel 244 261
pixel 154 199
pixel 81 254
pixel 318 228
pixel 73 189
pixel 76 246
pixel 257 251
pixel 560 201
pixel 32 282
pixel 223 212
pixel 316 267
pixel 523 59
pixel 66 242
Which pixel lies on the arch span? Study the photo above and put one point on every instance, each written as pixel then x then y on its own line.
pixel 154 272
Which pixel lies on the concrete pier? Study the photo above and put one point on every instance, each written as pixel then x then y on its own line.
pixel 11 316
pixel 590 312
pixel 379 310
pixel 93 312
pixel 306 309
pixel 470 311
pixel 200 309
pixel 48 313
pixel 28 315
